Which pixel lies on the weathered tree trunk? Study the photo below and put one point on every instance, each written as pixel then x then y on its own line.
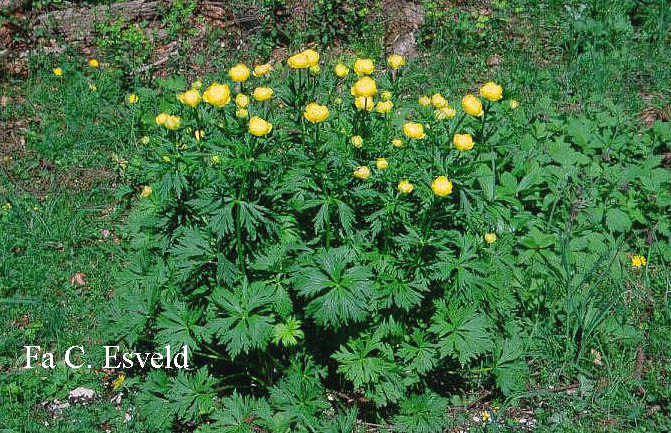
pixel 76 24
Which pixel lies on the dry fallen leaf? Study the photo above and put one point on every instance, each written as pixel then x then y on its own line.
pixel 78 279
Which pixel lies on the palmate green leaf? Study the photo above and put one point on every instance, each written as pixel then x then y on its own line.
pixel 191 253
pixel 131 312
pixel 346 422
pixel 193 395
pixel 419 354
pixel 178 326
pixel 369 364
pixel 339 292
pixel 153 405
pixel 424 413
pixel 510 369
pixel 244 320
pixel 300 396
pixel 462 333
pixel 239 414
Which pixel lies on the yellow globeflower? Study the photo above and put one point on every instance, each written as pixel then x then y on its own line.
pixel 463 141
pixel 132 98
pixel 259 127
pixel 490 238
pixel 262 93
pixel 444 113
pixel 341 70
pixel 356 141
pixel 161 118
pixel 384 107
pixel 405 187
pixel 424 101
pixel 241 113
pixel 172 122
pixel 386 95
pixel 491 91
pixel 241 100
pixel 364 87
pixel 441 186
pixel 316 113
pixel 364 103
pixel 94 63
pixel 312 56
pixel 513 104
pixel 217 94
pixel 261 70
pixel 298 61
pixel 146 191
pixel 364 66
pixel 471 105
pixel 362 172
pixel 190 98
pixel 438 101
pixel 397 142
pixel 382 164
pixel 638 261
pixel 239 73
pixel 395 61
pixel 414 130
pixel 57 71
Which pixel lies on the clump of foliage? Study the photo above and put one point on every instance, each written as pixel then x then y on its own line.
pixel 331 249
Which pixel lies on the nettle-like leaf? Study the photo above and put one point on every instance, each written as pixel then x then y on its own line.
pixel 193 395
pixel 239 414
pixel 423 413
pixel 462 332
pixel 245 320
pixel 369 364
pixel 340 292
pixel 178 326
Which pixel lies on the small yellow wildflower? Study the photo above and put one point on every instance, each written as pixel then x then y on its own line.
pixel 405 187
pixel 382 164
pixel 638 261
pixel 356 141
pixel 362 172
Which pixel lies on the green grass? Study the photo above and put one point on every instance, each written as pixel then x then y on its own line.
pixel 68 186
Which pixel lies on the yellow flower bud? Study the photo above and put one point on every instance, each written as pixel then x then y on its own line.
pixel 92 87
pixel 215 159
pixel 172 122
pixel 341 70
pixel 397 142
pixel 491 91
pixel 444 113
pixel 364 66
pixel 57 72
pixel 463 141
pixel 424 101
pixel 395 61
pixel 261 70
pixel 161 118
pixel 438 101
pixel 364 103
pixel 197 85
pixel 356 141
pixel 241 113
pixel 490 238
pixel 146 191
pixel 382 164
pixel 316 113
pixel 241 100
pixel 239 73
pixel 362 172
pixel 259 127
pixel 94 63
pixel 384 107
pixel 386 95
pixel 441 186
pixel 217 95
pixel 364 87
pixel 414 130
pixel 298 61
pixel 198 134
pixel 513 104
pixel 190 98
pixel 262 93
pixel 132 98
pixel 405 187
pixel 314 69
pixel 471 105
